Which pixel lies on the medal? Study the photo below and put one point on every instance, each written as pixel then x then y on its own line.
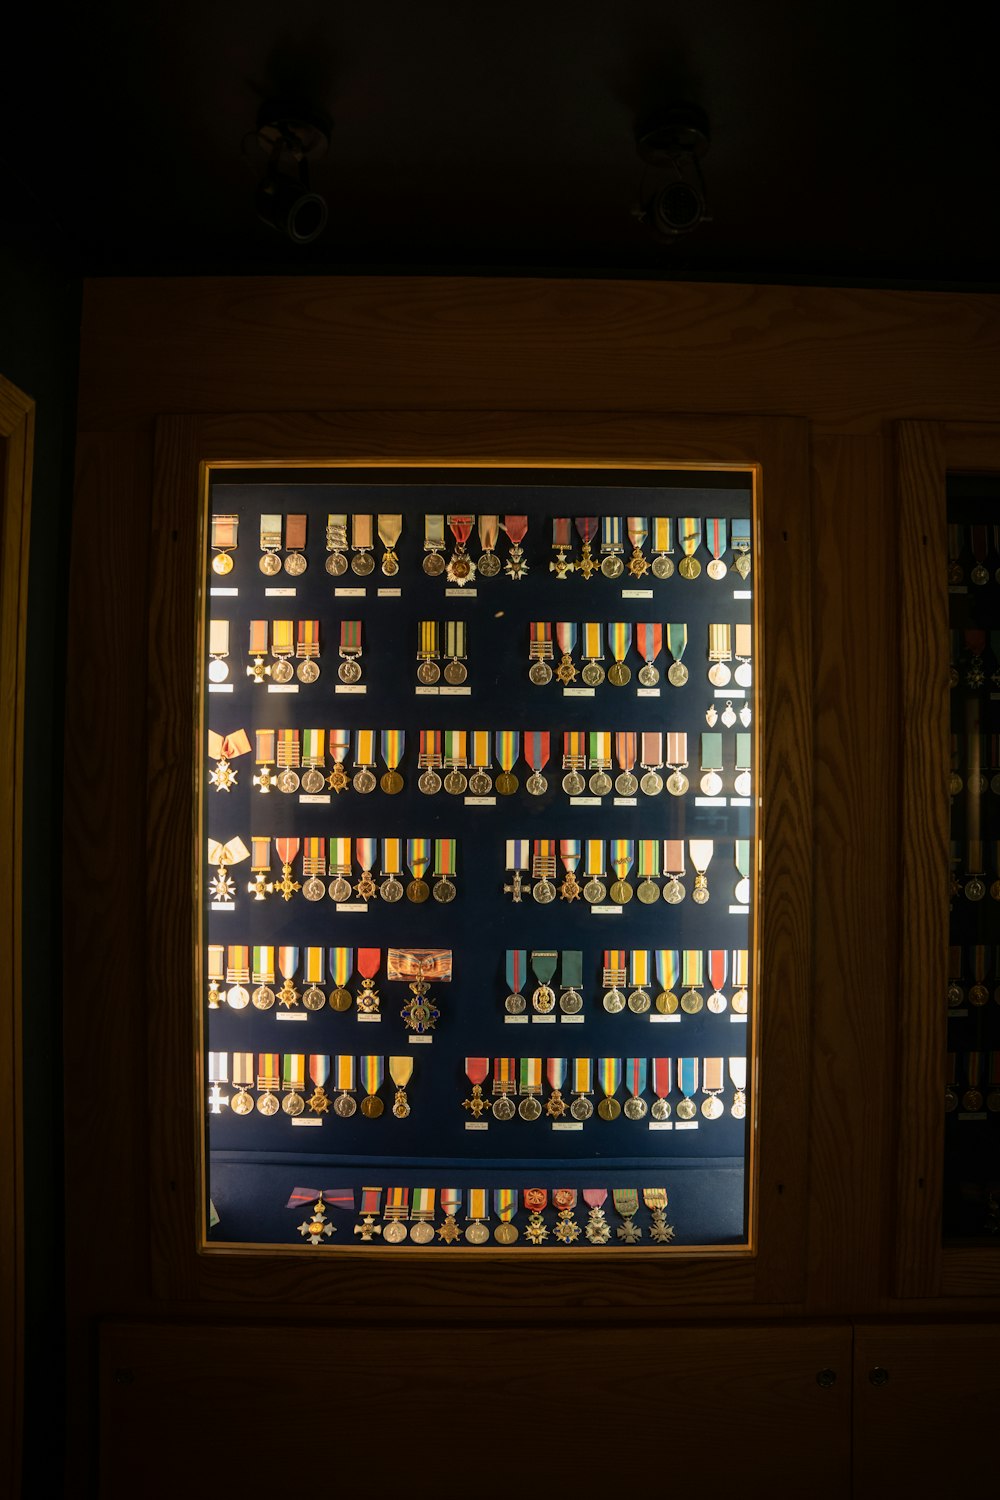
pixel 597 1228
pixel 455 671
pixel 635 1081
pixel 372 1078
pixel 288 850
pixel 535 1201
pixel 583 1086
pixel 593 652
pixel 428 648
pixel 477 1232
pixel 744 648
pixel 391 889
pixel 689 535
pixel 419 966
pixel 287 779
pixel 543 867
pixel 369 961
pixel 566 641
pixel 293 1079
pixel 701 851
pixel 313 759
pixel 313 998
pixel 739 533
pixel 516 960
pixel 505 1207
pixel 476 1069
pixel 614 1001
pixel 243 1077
pixel 626 1201
pixel 536 753
pixel 316 1224
pixel 978 993
pixel 260 867
pixel 531 1086
pixel 738 1076
pixel 662 1085
pixel 336 545
pixel 223 749
pixel 539 652
pixel 481 782
pixel 651 782
pixel 980 548
pixel 620 642
pixel 717 964
pixel 740 972
pixel 340 742
pixel 364 779
pixel 649 643
pixel 216 974
pixel 341 867
pixel 288 963
pixel 742 783
pixel 237 975
pixel 225 530
pixel 262 973
pixel 609 1073
pixel 489 530
pixel 507 743
pixel 741 857
pixel 422 1216
pixel 295 542
pixel 569 852
pixel 622 858
pixel 362 562
pixel 648 892
pixel 586 530
pixel 638 531
pixel 711 764
pixel 270 542
pixel 515 528
pixel 687 1082
pixel 594 891
pixel 677 672
pixel 951 1092
pixel 692 980
pixel 655 1199
pixel 667 973
pixel 395 1215
pixel 715 527
pixel 282 649
pixel 393 743
pixel 543 999
pixel 429 759
pixel 451 1202
pixel 516 860
pixel 456 758
pixel 662 565
pixel 612 547
pixel 972 1096
pixel 400 1071
pixel 562 540
pixel 555 1072
pixel 567 1230
pixel 574 761
pixel 268 1083
pixel 444 869
pixel 626 745
pixel 371 1200
pixel 600 760
pixel 504 1084
pixel 712 1106
pixel 433 563
pixel 258 649
pixel 417 858
pixel 345 1104
pixel 638 1000
pixel 218 651
pixel 389 529
pixel 349 670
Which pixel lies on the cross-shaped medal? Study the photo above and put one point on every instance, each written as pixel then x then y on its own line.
pixel 516 888
pixel 367 1228
pixel 217 1099
pixel 477 1103
pixel 286 886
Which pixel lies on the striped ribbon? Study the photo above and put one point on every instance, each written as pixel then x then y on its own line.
pixel 341 965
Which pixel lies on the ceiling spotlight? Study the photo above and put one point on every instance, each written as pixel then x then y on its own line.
pixel 672 143
pixel 290 140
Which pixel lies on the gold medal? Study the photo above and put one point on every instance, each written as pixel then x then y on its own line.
pixel 417 890
pixel 391 782
pixel 609 1109
pixel 677 674
pixel 687 1110
pixel 691 1002
pixel 689 567
pixel 619 674
pixel 372 1107
pixel 505 1234
pixel 667 1003
pixel 506 783
pixel 621 893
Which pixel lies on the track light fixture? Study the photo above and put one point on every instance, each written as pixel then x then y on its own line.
pixel 290 139
pixel 672 142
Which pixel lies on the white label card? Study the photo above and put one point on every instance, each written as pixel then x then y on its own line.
pixel 426 692
pixel 455 692
pixel 352 906
pixel 637 593
pixel 740 801
pixel 735 1020
pixel 661 1124
pixel 280 593
pixel 572 1020
pixel 606 911
pixel 351 687
pixel 227 593
pixel 480 802
pixel 351 593
pixel 461 593
pixel 710 802
pixel 567 1125
pixel 315 798
pixel 585 802
pixel 364 1015
pixel 543 1020
pixel 222 906
pixel 306 1120
pixel 421 1041
pixel 687 1124
pixel 626 801
pixel 647 692
pixel 284 687
pixel 742 593
pixel 515 1020
pixel 220 687
pixel 738 911
pixel 578 692
pixel 291 1015
pixel 476 1125
pixel 390 593
pixel 657 1020
pixel 730 692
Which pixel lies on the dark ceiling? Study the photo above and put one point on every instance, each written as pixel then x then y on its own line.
pixel 849 143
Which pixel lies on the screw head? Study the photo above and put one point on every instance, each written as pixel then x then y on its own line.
pixel 826 1378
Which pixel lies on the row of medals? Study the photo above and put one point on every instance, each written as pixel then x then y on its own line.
pixel 592 674
pixel 635 1107
pixel 543 1002
pixel 480 784
pixel 597 1230
pixel 345 1105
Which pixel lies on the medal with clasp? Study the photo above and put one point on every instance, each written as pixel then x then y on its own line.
pixel 720 653
pixel 395 1215
pixel 433 563
pixel 313 869
pixel 270 545
pixel 638 530
pixel 429 760
pixel 540 652
pixel 341 867
pixel 282 649
pixel 600 782
pixel 456 759
pixel 225 530
pixel 289 760
pixel 574 762
pixel 613 978
pixel 314 761
pixel 340 743
pixel 293 1079
pixel 543 867
pixel 268 1083
pixel 336 545
pixel 428 651
pixel 451 1202
pixel 422 1216
pixel 626 1201
pixel 530 1072
pixel 612 547
pixel 504 1085
pixel 319 1073
pixel 262 977
pixel 237 976
pixel 349 670
pixel 307 651
pixel 739 534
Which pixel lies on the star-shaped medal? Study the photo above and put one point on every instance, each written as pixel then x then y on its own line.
pixel 222 888
pixel 598 1228
pixel 449 1231
pixel 536 1231
pixel 223 777
pixel 567 1229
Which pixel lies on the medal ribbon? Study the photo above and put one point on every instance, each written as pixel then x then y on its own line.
pixel 418 853
pixel 701 853
pixel 481 749
pixel 739 531
pixel 313 972
pixel 268 1074
pixel 625 748
pixel 293 1074
pixel 265 746
pixel 687 1076
pixel 654 1197
pixel 712 1079
pixel 216 970
pixel 593 648
pixel 673 856
pixel 609 1073
pixel 531 1075
pixel 620 639
pixel 562 534
pixel 350 637
pixel 228 746
pixel 455 747
pixel 635 1075
pixel 308 638
pixel 719 643
pixel 423 1203
pixel 489 530
pixel 569 853
pixel 516 968
pixel 622 856
pixel 744 642
pixel 666 967
pixel 555 1072
pixel 444 856
pixel 261 859
pixel 573 748
pixel 543 964
pixel 345 1074
pixel 693 968
pixel 477 1204
pixel 595 1197
pixel 243 1070
pixel 454 637
pixel 389 529
pixel 282 637
pixel 564 1199
pixel 218 639
pixel 677 748
pixel 287 849
pixel 460 528
pixel 662 1079
pixel 364 747
pixel 595 857
pixel 517 854
pixel 235 851
pixel 586 528
pixel 677 639
pixel 340 743
pixel 288 961
pixel 600 747
pixel 652 750
pixel 372 1073
pixel 638 530
pixel 536 1199
pixel 371 1201
pixel 340 856
pixel 270 532
pixel 711 752
pixel 689 532
pixel 430 747
pixel 566 636
pixel 361 532
pixel 401 1070
pixel 741 967
pixel 738 1072
pixel 239 963
pixel 583 1075
pixel 368 961
pixel 393 742
pixel 639 967
pixel 743 752
pixel 503 1074
pixel 433 533
pixel 662 538
pixel 313 746
pixel 508 747
pixel 224 530
pixel 451 1201
pixel 649 641
pixel 367 852
pixel 505 1203
pixel 258 638
pixel 288 747
pixel 476 1069
pixel 543 856
pixel 741 854
pixel 392 854
pixel 717 964
pixel 540 637
pixel 515 528
pixel 716 535
pixel 336 533
pixel 615 967
pixel 428 638
pixel 649 858
pixel 397 1203
pixel 536 749
pixel 611 534
pixel 263 965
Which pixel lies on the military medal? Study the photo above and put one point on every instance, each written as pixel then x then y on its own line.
pixel 282 649
pixel 717 965
pixel 307 651
pixel 401 1071
pixel 626 746
pixel 489 529
pixel 562 541
pixel 743 652
pixel 455 671
pixel 433 563
pixel 515 1003
pixel 741 855
pixel 371 1202
pixel 626 1201
pixel 649 643
pixel 429 759
pixel 597 1228
pixel 687 1082
pixel 738 1076
pixel 692 980
pixel 260 868
pixel 394 1215
pixel 972 1096
pixel 674 869
pixel 456 758
pixel 507 743
pixel 595 890
pixel 651 782
pixel 218 651
pixel 349 670
pixel 540 652
pixel 445 856
pixel 372 1078
pixel 569 852
pixel 345 1104
pixel 574 761
pixel 535 1202
pixel 420 965
pixel 543 966
pixel 555 1072
pixel 715 528
pixel 336 545
pixel 362 542
pixel 975 645
pixel 593 654
pixel 460 568
pixel 741 973
pixel 638 1000
pixel 662 1085
pixel 566 641
pixel 978 993
pixel 364 779
pixel 635 1107
pixel 655 1199
pixel 677 672
pixel 243 1077
pixel 530 1070
pixel 222 887
pixel 701 851
pixel 711 764
pixel 368 961
pixel 638 530
pixel 288 850
pixel 295 544
pixel 516 858
pixel 739 533
pixel 270 543
pixel 341 868
pixel 288 963
pixel 571 982
pixel 586 529
pixel 258 649
pixel 422 1216
pixel 476 1069
pixel 480 781
pixel 340 742
pixel 477 1233
pixel 268 1083
pixel 648 892
pixel 742 783
pixel 662 565
pixel 505 1207
pixel 289 753
pixel 609 1073
pixel 237 975
pixel 975 886
pixel 612 547
pixel 536 753
pixel 620 642
pixel 690 536
pixel 980 549
pixel 262 977
pixel 567 1230
pixel 225 530
pixel 543 867
pixel 614 1001
pixel 451 1202
pixel 367 852
pixel 418 852
pixel 389 529
pixel 504 1084
pixel 622 858
pixel 223 749
pixel 316 1224
pixel 216 974
pixel 293 1079
pixel 667 973
pixel 712 1106
pixel 583 1086
pixel 391 889
pixel 314 761
pixel 313 997
pixel 428 635
pixel 515 528
pixel 313 867
pixel 720 652
pixel 600 782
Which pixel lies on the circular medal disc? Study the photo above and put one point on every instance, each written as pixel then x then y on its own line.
pixel 614 1002
pixel 313 889
pixel 536 784
pixel 340 889
pixel 529 1108
pixel 422 1233
pixel 344 1105
pixel 307 671
pixel 371 1106
pixel 428 672
pixel 293 1104
pixel 263 997
pixel 270 563
pixel 621 893
pixel 691 1002
pixel 667 1003
pixel 712 1107
pixel 336 564
pixel 267 1104
pixel 506 784
pixel 391 889
pixel 582 1108
pixel 979 995
pixel 515 1005
pixel 677 674
pixel 364 781
pixel 505 1234
pixel 660 1110
pixel 443 890
pixel 677 784
pixel 287 781
pixel 975 890
pixel 429 782
pixel 592 674
pixel 689 567
pixel 648 892
pixel 716 569
pixel 741 1003
pixel 635 1108
pixel 662 567
pixel 460 569
pixel 543 1000
pixel 743 674
pixel 391 782
pixel 242 1103
pixel 394 1233
pixel 433 565
pixel 313 781
pixel 742 784
pixel 612 566
pixel 504 1108
pixel 313 998
pixel 400 1108
pixel 295 564
pixel 609 1109
pixel 477 1234
pixel 573 783
pixel 739 1107
pixel 218 671
pixel 362 563
pixel 455 672
pixel 600 783
pixel 540 673
pixel 480 784
pixel 488 565
pixel 687 1110
pixel 972 1101
pixel 282 671
pixel 742 891
pixel 649 675
pixel 638 1003
pixel 673 891
pixel 716 1003
pixel 619 674
pixel 543 891
pixel 349 670
pixel 711 783
pixel 626 784
pixel 980 575
pixel 417 890
pixel 390 565
pixel 571 1002
pixel 719 674
pixel 652 784
pixel 222 563
pixel 700 895
pixel 950 1101
pixel 594 892
pixel 956 996
pixel 237 998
